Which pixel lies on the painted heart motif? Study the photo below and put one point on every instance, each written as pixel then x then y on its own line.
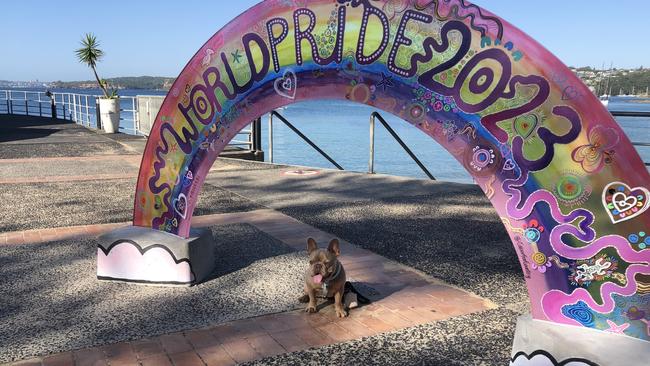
pixel 508 165
pixel 287 85
pixel 526 125
pixel 622 202
pixel 625 203
pixel 180 205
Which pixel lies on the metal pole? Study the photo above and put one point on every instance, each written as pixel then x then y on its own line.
pixel 74 108
pixel 256 137
pixel 307 140
pixel 10 103
pixel 97 113
pixel 399 140
pixel 26 105
pixel 271 137
pixel 53 105
pixel 80 105
pixel 87 112
pixel 371 159
pixel 251 144
pixel 135 116
pixel 40 106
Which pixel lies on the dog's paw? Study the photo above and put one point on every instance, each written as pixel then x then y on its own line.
pixel 341 313
pixel 310 309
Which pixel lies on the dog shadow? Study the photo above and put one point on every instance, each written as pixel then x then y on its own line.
pixel 371 291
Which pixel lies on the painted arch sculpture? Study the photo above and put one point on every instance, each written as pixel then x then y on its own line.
pixel 569 186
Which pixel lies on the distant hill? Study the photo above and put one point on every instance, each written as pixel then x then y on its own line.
pixel 616 81
pixel 139 82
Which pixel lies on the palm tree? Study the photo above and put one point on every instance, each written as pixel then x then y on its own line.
pixel 90 54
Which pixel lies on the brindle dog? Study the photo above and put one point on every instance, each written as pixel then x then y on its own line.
pixel 325 276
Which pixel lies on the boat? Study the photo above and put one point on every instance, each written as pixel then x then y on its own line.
pixel 604 99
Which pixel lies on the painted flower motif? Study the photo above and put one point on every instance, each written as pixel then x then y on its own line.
pixel 533 231
pixel 540 262
pixel 599 151
pixel 433 100
pixel 572 189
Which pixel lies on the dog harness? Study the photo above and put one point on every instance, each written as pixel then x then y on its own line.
pixel 326 282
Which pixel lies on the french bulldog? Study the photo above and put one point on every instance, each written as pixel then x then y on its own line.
pixel 325 276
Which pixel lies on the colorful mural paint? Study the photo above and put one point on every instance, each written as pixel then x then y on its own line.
pixel 569 186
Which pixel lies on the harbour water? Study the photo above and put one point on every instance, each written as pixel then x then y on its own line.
pixel 341 129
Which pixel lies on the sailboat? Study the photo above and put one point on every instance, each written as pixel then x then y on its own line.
pixel 605 97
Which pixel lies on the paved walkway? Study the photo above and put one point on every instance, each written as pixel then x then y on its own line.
pixel 405 298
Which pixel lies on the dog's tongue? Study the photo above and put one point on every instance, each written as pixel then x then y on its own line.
pixel 318 278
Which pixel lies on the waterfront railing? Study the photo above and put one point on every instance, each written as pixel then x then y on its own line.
pixel 137 113
pixel 82 109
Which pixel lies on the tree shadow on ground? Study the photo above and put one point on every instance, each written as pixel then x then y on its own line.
pixel 51 300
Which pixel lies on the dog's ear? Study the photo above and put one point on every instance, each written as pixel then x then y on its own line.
pixel 334 247
pixel 311 245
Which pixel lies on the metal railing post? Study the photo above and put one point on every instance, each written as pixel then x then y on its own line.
pixel 256 137
pixel 135 116
pixel 65 114
pixel 271 137
pixel 26 105
pixel 402 144
pixel 306 139
pixel 81 109
pixel 98 115
pixel 10 104
pixel 371 158
pixel 87 112
pixel 53 106
pixel 249 136
pixel 74 108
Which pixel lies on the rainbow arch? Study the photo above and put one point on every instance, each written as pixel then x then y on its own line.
pixel 568 184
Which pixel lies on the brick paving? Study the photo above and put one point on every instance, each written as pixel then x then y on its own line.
pixel 406 298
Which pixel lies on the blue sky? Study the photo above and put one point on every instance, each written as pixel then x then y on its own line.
pixel 147 37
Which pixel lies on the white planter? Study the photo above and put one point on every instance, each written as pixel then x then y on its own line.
pixel 109 112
